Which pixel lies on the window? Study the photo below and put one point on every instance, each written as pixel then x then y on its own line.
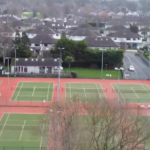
pixel 134 39
pixel 21 69
pixel 18 69
pixel 37 44
pixel 25 69
pixel 45 45
pixel 128 39
pixel 115 38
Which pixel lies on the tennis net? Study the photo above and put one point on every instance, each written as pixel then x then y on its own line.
pixel 86 89
pixel 132 90
pixel 22 88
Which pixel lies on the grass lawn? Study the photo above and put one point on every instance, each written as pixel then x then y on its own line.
pixel 94 73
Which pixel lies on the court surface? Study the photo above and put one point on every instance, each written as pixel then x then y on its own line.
pixel 33 91
pixel 86 92
pixel 20 130
pixel 133 93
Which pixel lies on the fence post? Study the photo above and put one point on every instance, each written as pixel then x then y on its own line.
pixel 4 147
pixel 22 148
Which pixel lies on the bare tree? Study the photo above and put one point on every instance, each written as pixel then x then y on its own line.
pixel 94 126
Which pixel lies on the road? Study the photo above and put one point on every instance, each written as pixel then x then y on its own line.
pixel 142 70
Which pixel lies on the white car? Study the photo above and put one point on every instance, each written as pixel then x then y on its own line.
pixel 131 68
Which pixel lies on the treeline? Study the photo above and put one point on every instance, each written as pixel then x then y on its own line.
pixel 84 56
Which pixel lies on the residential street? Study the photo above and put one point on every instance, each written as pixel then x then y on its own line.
pixel 142 70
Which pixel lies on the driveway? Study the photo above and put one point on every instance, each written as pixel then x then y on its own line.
pixel 142 70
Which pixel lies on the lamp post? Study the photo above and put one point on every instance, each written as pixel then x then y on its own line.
pixel 118 69
pixel 146 118
pixel 8 71
pixel 60 64
pixel 15 48
pixel 102 65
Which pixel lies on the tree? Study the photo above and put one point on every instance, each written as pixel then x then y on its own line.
pixel 69 60
pixel 134 28
pixel 106 126
pixel 5 47
pixel 22 43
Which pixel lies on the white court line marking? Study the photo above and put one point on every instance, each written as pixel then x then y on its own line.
pixel 145 89
pixel 135 93
pixel 84 91
pixel 48 90
pixel 120 93
pixel 4 124
pixel 33 91
pixel 98 91
pixel 14 90
pixel 22 130
pixel 70 89
pixel 19 91
pixel 103 92
pixel 41 137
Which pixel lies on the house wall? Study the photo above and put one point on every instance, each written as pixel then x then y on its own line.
pixel 130 40
pixel 105 48
pixel 77 38
pixel 43 46
pixel 30 69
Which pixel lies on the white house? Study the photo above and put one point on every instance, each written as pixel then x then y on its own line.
pixel 35 66
pixel 101 43
pixel 80 34
pixel 133 40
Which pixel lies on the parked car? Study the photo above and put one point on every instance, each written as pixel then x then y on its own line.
pixel 131 68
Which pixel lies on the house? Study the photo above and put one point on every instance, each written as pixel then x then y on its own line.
pixel 80 34
pixel 114 28
pixel 73 23
pixel 42 30
pixel 132 40
pixel 34 65
pixel 19 25
pixel 7 18
pixel 101 43
pixel 43 41
pixel 33 22
pixel 57 27
pixel 6 30
pixel 114 22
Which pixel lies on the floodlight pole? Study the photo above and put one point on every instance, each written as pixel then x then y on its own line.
pixel 8 72
pixel 60 64
pixel 118 86
pixel 102 65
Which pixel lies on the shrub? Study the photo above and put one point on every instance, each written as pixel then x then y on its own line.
pixel 73 74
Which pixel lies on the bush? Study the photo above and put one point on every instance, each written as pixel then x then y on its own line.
pixel 73 74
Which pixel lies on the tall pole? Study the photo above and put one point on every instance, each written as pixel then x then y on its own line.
pixel 58 86
pixel 8 71
pixel 149 62
pixel 118 86
pixel 15 62
pixel 102 67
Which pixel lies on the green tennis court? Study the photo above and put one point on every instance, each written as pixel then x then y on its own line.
pixel 19 131
pixel 33 91
pixel 133 93
pixel 86 92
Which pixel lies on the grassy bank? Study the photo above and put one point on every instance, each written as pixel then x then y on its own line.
pixel 95 73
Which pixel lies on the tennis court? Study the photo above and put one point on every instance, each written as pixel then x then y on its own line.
pixel 133 93
pixel 86 92
pixel 20 130
pixel 33 91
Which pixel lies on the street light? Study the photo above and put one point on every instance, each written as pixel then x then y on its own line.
pixel 118 69
pixel 60 65
pixel 146 108
pixel 8 71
